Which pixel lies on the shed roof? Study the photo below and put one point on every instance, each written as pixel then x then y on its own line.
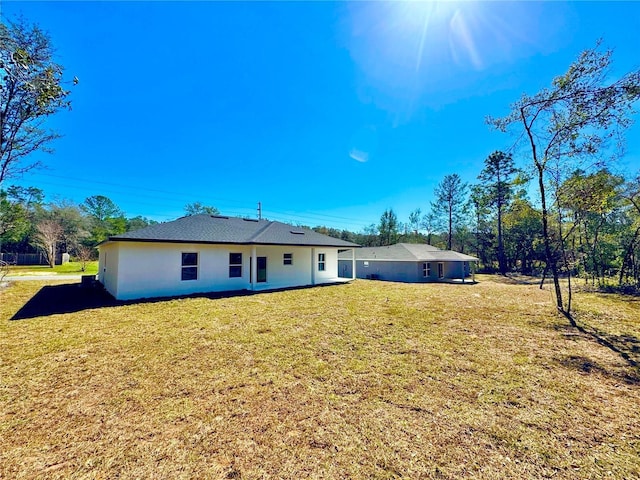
pixel 230 230
pixel 408 252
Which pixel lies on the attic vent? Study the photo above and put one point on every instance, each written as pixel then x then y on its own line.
pixel 297 232
pixel 220 216
pixel 250 219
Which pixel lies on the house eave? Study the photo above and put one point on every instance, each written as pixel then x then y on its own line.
pixel 202 242
pixel 413 260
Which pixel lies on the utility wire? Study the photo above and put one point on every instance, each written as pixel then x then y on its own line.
pixel 240 209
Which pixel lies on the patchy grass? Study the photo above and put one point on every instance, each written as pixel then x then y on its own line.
pixel 66 269
pixel 364 380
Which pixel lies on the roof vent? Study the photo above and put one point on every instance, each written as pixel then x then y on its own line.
pixel 220 216
pixel 297 232
pixel 250 219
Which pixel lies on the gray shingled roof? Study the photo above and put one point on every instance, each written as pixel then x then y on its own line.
pixel 408 252
pixel 230 230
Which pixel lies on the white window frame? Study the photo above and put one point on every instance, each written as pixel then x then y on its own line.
pixel 232 265
pixel 426 269
pixel 287 258
pixel 189 266
pixel 322 262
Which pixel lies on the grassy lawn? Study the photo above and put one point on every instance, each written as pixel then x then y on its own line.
pixel 364 380
pixel 66 269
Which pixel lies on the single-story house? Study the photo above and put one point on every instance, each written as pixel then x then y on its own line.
pixel 213 253
pixel 407 262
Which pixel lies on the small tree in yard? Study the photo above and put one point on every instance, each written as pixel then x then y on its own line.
pixel 4 270
pixel 84 254
pixel 30 90
pixel 571 125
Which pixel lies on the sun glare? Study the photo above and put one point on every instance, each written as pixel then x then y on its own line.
pixel 435 25
pixel 408 50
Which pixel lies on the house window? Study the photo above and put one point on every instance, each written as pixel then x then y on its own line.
pixel 426 269
pixel 189 266
pixel 321 262
pixel 366 264
pixel 440 270
pixel 288 259
pixel 235 265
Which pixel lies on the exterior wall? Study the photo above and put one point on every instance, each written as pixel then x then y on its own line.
pixel 155 270
pixel 330 274
pixel 453 270
pixel 108 268
pixel 398 271
pixel 393 271
pixel 131 270
pixel 280 275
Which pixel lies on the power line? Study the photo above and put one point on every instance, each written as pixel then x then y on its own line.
pixel 310 217
pixel 240 209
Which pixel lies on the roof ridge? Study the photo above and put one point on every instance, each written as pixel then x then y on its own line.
pixel 404 245
pixel 255 236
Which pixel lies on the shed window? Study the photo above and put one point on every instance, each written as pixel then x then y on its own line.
pixel 321 262
pixel 288 259
pixel 189 265
pixel 426 269
pixel 366 264
pixel 235 265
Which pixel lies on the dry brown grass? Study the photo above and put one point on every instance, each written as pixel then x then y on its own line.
pixel 366 380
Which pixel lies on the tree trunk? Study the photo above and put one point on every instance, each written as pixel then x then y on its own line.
pixel 501 262
pixel 549 257
pixel 628 255
pixel 450 226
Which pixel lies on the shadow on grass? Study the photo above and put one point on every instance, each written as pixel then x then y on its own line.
pixel 627 346
pixel 585 365
pixel 513 279
pixel 73 297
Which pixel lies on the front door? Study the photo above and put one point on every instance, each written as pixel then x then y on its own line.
pixel 262 270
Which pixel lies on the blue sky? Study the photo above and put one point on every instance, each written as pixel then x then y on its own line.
pixel 327 113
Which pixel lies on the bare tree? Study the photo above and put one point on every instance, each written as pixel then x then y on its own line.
pixel 49 233
pixel 4 270
pixel 84 255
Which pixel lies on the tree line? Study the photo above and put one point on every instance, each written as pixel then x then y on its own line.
pixel 598 214
pixel 30 225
